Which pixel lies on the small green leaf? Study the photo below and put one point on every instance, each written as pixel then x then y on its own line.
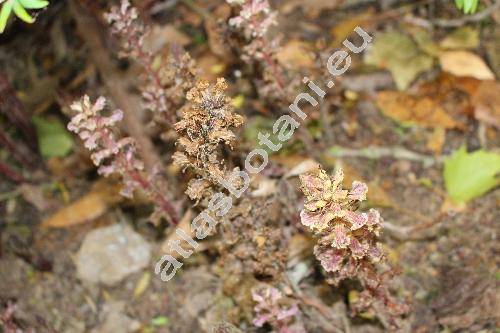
pixel 160 321
pixel 467 6
pixel 4 14
pixel 22 13
pixel 34 4
pixel 468 176
pixel 53 138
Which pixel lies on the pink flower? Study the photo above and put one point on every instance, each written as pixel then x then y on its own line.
pixel 271 309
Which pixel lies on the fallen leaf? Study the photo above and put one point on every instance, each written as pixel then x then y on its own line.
pixel 376 195
pixel 344 28
pixel 492 48
pixel 312 8
pixel 265 188
pixel 465 63
pixel 92 205
pixel 305 166
pixel 436 141
pixel 142 284
pixel 470 175
pixel 414 110
pixel 462 38
pixel 161 36
pixel 211 67
pixel 399 54
pixel 486 101
pixel 425 41
pixel 53 138
pixel 295 54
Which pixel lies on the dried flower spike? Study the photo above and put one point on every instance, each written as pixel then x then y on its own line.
pixel 205 128
pixel 114 155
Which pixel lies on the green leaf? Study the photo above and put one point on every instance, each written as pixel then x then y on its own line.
pixel 4 14
pixel 19 7
pixel 160 321
pixel 53 138
pixel 34 4
pixel 470 175
pixel 467 6
pixel 22 13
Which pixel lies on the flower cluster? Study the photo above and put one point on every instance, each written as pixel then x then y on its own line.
pixel 205 128
pixel 347 237
pixel 254 21
pixel 255 17
pixel 348 245
pixel 124 21
pixel 272 309
pixel 114 155
pixel 167 79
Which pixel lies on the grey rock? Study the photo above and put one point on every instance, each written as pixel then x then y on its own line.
pixel 109 254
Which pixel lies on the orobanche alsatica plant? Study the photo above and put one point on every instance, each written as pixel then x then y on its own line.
pixel 348 246
pixel 205 128
pixel 115 155
pixel 167 78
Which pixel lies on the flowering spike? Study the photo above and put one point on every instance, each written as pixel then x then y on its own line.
pixel 347 246
pixel 113 155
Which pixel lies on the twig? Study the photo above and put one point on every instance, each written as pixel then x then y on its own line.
pixel 415 232
pixel 11 173
pixel 467 19
pixel 205 14
pixel 398 153
pixel 15 112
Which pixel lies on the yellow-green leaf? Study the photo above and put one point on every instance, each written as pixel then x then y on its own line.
pixel 22 13
pixel 53 138
pixel 470 175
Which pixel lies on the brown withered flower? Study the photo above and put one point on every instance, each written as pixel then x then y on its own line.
pixel 206 127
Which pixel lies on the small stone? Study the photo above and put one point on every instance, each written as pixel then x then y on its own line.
pixel 109 254
pixel 116 320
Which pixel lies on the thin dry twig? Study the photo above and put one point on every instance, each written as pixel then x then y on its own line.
pixel 454 23
pixel 397 153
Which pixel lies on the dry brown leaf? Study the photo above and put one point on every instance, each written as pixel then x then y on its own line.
pixel 305 166
pixel 92 205
pixel 296 54
pixel 312 8
pixel 465 63
pixel 486 101
pixel 436 141
pixel 344 28
pixel 376 195
pixel 418 110
pixel 211 67
pixel 160 36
